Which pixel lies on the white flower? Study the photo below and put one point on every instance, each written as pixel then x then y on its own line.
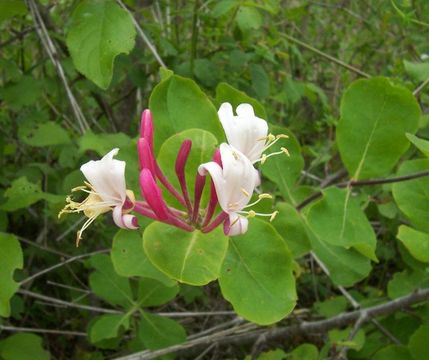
pixel 107 192
pixel 245 131
pixel 235 182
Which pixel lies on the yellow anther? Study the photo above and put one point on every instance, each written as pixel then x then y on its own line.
pixel 263 158
pixel 245 192
pixel 271 137
pixel 282 136
pixel 286 151
pixel 236 157
pixel 265 196
pixel 251 214
pixel 78 188
pixel 273 215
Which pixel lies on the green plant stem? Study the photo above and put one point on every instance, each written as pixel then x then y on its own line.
pixel 194 37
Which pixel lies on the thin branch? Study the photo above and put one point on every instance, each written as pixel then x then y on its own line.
pixel 53 55
pixel 356 183
pixel 231 336
pixel 43 331
pixel 326 56
pixel 56 266
pixel 142 34
pixel 421 87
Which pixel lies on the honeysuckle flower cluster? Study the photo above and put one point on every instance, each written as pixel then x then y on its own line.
pixel 234 180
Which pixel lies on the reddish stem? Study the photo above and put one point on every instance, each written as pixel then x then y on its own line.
pixel 200 182
pixel 182 158
pixel 215 223
pixel 164 181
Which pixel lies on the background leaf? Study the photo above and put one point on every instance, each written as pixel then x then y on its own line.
pixel 23 347
pixel 99 31
pixel 375 115
pixel 11 258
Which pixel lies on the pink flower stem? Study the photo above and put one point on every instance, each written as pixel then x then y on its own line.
pixel 182 158
pixel 212 205
pixel 215 223
pixel 179 223
pixel 167 185
pixel 142 210
pixel 200 182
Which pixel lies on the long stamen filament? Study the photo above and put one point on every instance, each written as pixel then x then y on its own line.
pixel 264 157
pixel 260 197
pixel 252 213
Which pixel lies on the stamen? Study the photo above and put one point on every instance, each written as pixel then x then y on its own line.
pixel 260 197
pixel 251 214
pixel 264 157
pixel 273 215
pixel 236 157
pixel 246 193
pixel 282 136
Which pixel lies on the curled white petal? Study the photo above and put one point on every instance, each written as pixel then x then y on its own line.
pixel 107 177
pixel 234 181
pixel 236 225
pixel 245 131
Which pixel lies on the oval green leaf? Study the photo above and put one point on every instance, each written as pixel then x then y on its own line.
pixel 193 258
pixel 99 31
pixel 257 277
pixel 178 104
pixel 416 242
pixel 375 115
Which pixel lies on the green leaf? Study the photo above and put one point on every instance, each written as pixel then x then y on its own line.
pixel 108 285
pixel 102 143
pixel 375 115
pixel 406 282
pixel 257 276
pixel 193 258
pixel 412 197
pixel 416 242
pixel 346 267
pixel 26 91
pixel 178 104
pixel 338 220
pixel 417 71
pixel 289 225
pixel 206 72
pixel 129 258
pixel 45 134
pixel 108 326
pixel 99 31
pixel 9 8
pixel 260 80
pixel 227 93
pixel 157 332
pixel 419 344
pixel 282 169
pixel 277 354
pixel 421 144
pixel 331 307
pixel 23 193
pixel 304 351
pixel 23 347
pixel 248 18
pixel 11 258
pixel 340 337
pixel 393 352
pixel 222 7
pixel 203 148
pixel 153 293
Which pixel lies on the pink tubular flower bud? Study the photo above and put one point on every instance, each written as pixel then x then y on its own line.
pixel 146 127
pixel 153 195
pixel 146 158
